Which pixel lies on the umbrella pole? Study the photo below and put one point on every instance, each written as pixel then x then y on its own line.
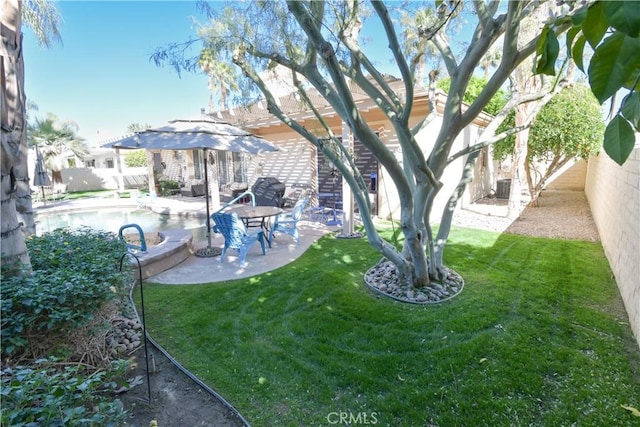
pixel 206 194
pixel 208 251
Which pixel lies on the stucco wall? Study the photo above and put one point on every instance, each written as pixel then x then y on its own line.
pixel 479 187
pixel 614 196
pixel 89 179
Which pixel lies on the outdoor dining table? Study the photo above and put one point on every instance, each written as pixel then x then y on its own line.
pixel 257 216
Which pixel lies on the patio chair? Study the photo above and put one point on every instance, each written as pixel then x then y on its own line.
pixel 288 222
pixel 236 235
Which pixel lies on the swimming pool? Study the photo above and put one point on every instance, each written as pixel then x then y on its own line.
pixel 111 219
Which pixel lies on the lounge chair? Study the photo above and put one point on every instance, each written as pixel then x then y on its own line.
pixel 236 235
pixel 196 190
pixel 288 222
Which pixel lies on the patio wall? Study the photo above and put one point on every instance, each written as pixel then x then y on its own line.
pixel 613 192
pixel 91 179
pixel 571 177
pixel 292 165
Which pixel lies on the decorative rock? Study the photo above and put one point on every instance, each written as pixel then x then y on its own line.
pixel 384 279
pixel 124 336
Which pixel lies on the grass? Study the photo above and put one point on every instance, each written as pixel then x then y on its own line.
pixel 75 195
pixel 538 336
pixel 88 194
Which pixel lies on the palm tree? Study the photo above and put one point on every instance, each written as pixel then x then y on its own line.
pixel 221 76
pixel 489 61
pixel 55 139
pixel 15 193
pixel 415 45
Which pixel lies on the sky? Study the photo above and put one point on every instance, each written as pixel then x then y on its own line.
pixel 101 76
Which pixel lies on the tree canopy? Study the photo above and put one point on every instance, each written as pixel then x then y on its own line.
pixel 55 138
pixel 569 126
pixel 325 53
pixel 611 29
pixel 135 159
pixel 476 84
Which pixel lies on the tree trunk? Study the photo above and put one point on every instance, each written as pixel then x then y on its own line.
pixel 518 169
pixel 15 182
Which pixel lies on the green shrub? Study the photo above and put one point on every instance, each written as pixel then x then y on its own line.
pixel 66 397
pixel 166 185
pixel 74 274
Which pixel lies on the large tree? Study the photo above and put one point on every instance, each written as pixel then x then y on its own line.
pixel 15 191
pixel 320 44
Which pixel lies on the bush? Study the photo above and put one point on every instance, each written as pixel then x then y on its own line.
pixel 46 396
pixel 166 185
pixel 135 159
pixel 75 273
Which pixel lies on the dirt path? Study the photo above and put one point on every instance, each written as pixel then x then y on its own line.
pixel 560 214
pixel 176 400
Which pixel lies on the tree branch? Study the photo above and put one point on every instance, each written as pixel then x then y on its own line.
pixel 543 97
pixel 401 61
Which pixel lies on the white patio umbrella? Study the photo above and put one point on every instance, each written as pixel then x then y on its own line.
pixel 201 132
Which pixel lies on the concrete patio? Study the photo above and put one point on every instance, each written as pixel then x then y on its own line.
pixel 196 270
pixel 173 261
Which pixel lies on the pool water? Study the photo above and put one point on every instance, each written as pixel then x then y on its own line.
pixel 113 219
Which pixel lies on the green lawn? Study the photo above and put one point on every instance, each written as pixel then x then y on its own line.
pixel 538 336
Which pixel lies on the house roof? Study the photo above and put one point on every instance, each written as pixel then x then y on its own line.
pixel 256 116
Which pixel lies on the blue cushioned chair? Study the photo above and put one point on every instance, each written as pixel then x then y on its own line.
pixel 288 222
pixel 236 235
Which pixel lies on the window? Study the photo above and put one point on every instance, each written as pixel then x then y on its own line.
pixel 240 167
pixel 90 163
pixel 223 168
pixel 108 163
pixel 157 162
pixel 198 164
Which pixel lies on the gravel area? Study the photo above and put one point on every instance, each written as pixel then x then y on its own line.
pixel 560 214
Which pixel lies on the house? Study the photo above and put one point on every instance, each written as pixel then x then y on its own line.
pixel 99 169
pixel 300 164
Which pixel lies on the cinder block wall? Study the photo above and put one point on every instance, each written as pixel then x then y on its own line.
pixel 613 192
pixel 570 178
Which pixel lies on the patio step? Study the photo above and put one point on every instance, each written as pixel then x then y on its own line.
pixel 176 246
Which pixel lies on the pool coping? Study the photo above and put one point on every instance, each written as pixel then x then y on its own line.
pixel 176 246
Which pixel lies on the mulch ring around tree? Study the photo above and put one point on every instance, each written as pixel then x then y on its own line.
pixel 383 278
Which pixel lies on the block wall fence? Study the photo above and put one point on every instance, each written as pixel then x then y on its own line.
pixel 613 192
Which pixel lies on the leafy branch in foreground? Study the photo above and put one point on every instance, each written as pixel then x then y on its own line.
pixel 612 30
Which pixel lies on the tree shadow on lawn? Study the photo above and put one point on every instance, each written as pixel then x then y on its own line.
pixel 539 335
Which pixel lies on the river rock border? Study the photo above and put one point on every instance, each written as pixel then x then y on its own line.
pixel 124 337
pixel 383 279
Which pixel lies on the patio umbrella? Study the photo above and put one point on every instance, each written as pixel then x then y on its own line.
pixel 190 134
pixel 40 177
pixel 201 132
